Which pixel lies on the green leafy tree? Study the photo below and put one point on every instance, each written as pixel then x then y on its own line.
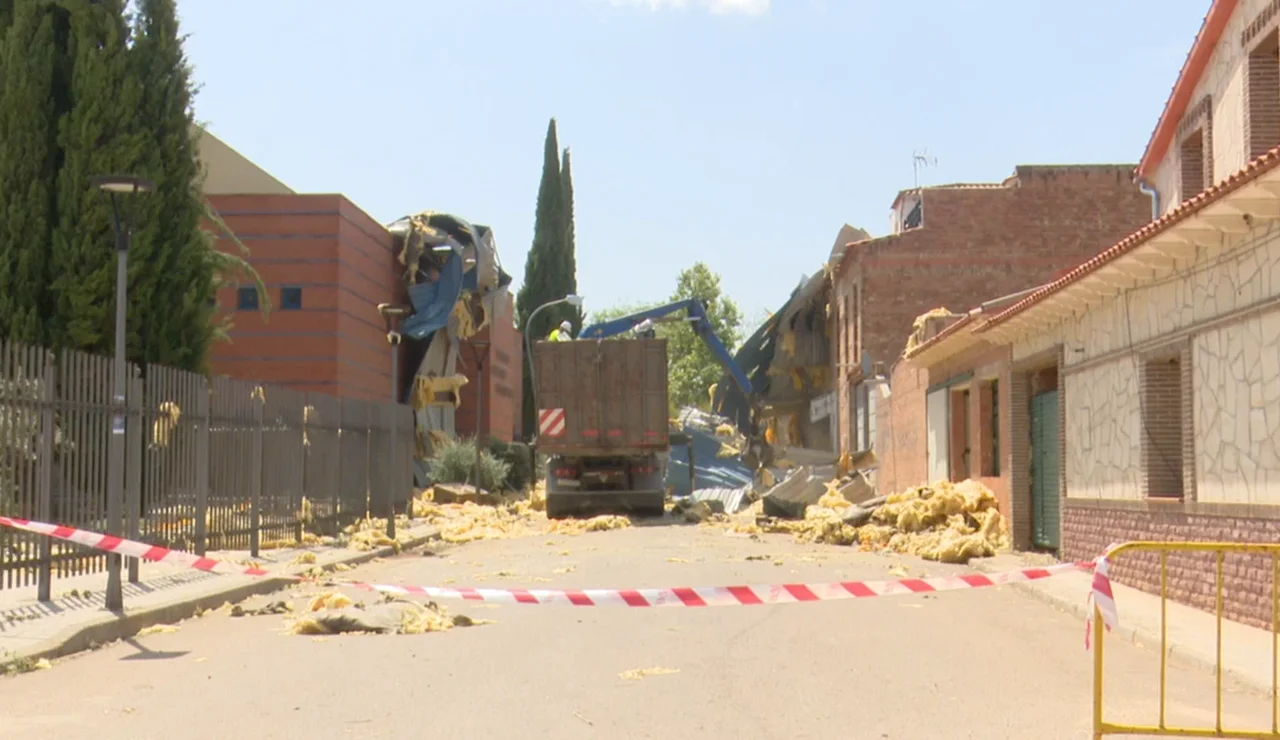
pixel 98 136
pixel 548 272
pixel 693 367
pixel 34 98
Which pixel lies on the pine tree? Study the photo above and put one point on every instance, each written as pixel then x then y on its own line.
pixel 34 99
pixel 98 136
pixel 569 259
pixel 541 266
pixel 177 323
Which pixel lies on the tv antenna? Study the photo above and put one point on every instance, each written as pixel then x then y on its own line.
pixel 920 158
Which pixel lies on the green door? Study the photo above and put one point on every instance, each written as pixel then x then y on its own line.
pixel 1046 513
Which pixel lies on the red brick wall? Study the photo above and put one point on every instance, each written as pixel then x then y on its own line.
pixel 982 243
pixel 1088 530
pixel 900 431
pixel 503 379
pixel 341 259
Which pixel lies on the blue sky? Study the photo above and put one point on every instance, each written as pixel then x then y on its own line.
pixel 741 133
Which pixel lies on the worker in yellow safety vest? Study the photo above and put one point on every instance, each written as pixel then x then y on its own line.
pixel 561 333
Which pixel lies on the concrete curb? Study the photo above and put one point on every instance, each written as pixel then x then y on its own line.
pixel 109 627
pixel 1142 637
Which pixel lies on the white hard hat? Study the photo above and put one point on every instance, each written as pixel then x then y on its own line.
pixel 565 325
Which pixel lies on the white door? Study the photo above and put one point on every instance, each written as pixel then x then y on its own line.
pixel 939 435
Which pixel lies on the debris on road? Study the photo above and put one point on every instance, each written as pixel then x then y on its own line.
pixel 157 629
pixel 370 534
pixel 637 674
pixel 392 616
pixel 271 607
pixel 469 521
pixel 947 522
pixel 329 600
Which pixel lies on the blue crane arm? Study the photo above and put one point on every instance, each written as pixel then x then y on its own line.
pixel 698 320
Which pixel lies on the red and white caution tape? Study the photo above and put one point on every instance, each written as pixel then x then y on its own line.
pixel 790 593
pixel 1101 596
pixel 787 593
pixel 130 548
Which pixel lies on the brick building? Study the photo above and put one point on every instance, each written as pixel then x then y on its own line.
pixel 955 245
pixel 503 378
pixel 1162 419
pixel 326 264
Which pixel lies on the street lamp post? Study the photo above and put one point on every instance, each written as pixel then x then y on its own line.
pixel 480 352
pixel 392 315
pixel 115 186
pixel 572 300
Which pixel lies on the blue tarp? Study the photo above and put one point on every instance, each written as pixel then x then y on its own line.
pixel 433 302
pixel 712 471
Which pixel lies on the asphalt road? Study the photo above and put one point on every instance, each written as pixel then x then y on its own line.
pixel 987 663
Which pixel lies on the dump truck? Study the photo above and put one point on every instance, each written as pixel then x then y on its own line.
pixel 603 408
pixel 603 424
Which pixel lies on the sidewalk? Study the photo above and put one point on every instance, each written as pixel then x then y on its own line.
pixel 76 619
pixel 1246 651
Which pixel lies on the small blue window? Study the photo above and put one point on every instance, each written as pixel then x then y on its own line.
pixel 291 299
pixel 247 299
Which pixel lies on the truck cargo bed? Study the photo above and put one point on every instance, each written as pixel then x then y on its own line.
pixel 606 397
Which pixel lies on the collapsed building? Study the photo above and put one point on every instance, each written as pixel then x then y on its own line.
pixel 457 289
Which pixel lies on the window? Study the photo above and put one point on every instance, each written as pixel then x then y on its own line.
pixel 990 408
pixel 291 299
pixel 247 299
pixel 960 409
pixel 1262 95
pixel 1165 423
pixel 1191 157
pixel 855 350
pixel 995 427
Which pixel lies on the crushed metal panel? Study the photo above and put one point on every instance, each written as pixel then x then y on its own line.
pixel 732 498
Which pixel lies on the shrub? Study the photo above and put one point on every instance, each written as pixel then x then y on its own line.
pixel 517 455
pixel 455 462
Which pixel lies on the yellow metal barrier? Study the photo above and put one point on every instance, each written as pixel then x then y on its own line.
pixel 1102 728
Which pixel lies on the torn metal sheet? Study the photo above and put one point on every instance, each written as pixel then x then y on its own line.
pixel 733 499
pixel 791 497
pixel 710 470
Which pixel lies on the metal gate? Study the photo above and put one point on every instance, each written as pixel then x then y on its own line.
pixel 1045 503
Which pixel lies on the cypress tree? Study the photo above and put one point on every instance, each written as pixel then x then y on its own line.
pixel 98 136
pixel 34 99
pixel 569 259
pixel 540 268
pixel 174 286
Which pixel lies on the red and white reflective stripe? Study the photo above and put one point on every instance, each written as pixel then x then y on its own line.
pixel 130 548
pixel 787 593
pixel 551 422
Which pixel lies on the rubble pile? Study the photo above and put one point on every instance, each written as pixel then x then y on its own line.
pixel 469 521
pixel 732 441
pixel 947 522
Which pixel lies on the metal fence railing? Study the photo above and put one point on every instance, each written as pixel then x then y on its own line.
pixel 211 464
pixel 1195 556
